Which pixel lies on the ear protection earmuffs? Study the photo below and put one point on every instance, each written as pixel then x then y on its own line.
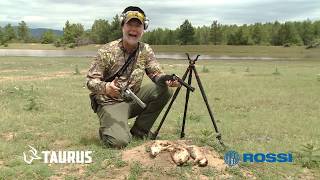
pixel 145 19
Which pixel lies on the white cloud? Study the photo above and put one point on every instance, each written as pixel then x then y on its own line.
pixel 34 19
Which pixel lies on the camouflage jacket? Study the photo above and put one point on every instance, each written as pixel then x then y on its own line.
pixel 110 58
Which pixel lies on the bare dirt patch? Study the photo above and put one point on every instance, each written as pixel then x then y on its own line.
pixel 59 74
pixel 306 174
pixel 76 170
pixel 12 70
pixel 1 163
pixel 116 173
pixel 36 77
pixel 8 136
pixel 60 144
pixel 248 174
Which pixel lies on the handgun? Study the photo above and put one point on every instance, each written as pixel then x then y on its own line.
pixel 127 93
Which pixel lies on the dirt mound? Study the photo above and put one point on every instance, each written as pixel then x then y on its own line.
pixel 164 160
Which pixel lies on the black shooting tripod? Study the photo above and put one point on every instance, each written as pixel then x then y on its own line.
pixel 191 68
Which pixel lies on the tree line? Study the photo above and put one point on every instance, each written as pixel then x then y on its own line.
pixel 275 33
pixel 9 33
pixel 102 31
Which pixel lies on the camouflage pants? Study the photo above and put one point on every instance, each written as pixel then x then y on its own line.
pixel 114 130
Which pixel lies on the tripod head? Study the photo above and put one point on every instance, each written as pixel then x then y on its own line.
pixel 192 61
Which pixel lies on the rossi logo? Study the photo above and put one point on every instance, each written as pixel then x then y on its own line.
pixel 268 157
pixel 58 157
pixel 233 158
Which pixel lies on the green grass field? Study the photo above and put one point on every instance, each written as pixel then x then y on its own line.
pixel 259 106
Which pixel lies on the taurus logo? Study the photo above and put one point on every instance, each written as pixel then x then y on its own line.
pixel 33 155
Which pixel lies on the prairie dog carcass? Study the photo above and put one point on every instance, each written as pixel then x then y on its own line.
pixel 159 146
pixel 180 155
pixel 197 155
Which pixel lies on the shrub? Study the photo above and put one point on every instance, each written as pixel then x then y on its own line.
pixel 72 45
pixel 57 43
pixel 205 69
pixel 309 156
pixel 276 71
pixel 76 70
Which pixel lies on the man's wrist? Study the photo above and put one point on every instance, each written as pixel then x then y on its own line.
pixel 106 88
pixel 158 81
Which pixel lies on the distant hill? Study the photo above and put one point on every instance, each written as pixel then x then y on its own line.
pixel 37 32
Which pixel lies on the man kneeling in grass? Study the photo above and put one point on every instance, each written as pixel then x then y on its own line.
pixel 106 83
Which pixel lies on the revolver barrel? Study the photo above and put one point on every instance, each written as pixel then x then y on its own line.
pixel 135 98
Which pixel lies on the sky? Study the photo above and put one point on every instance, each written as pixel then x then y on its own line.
pixel 162 13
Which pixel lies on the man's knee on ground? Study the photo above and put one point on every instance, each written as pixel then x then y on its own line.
pixel 110 141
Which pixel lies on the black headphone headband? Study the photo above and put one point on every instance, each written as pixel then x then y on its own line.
pixel 133 8
pixel 123 15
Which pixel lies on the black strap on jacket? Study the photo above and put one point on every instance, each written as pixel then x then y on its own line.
pixel 121 71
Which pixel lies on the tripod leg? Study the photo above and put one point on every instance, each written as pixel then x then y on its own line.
pixel 186 105
pixel 155 134
pixel 207 104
